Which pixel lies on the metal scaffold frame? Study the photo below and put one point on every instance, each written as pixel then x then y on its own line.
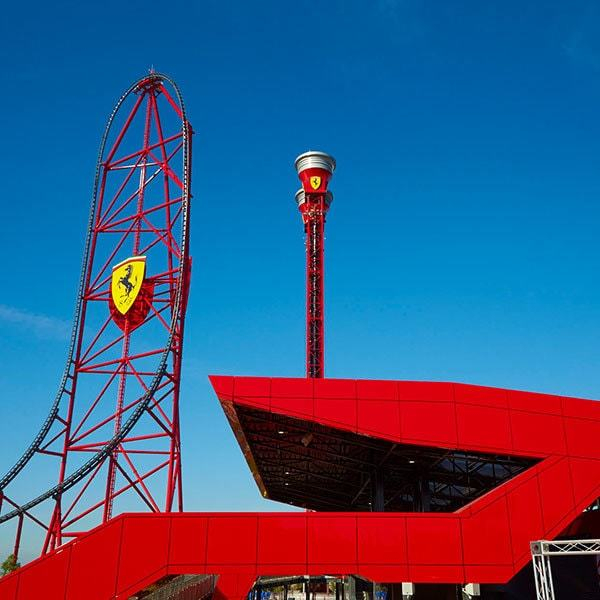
pixel 542 551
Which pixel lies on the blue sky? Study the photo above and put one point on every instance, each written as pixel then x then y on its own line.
pixel 462 243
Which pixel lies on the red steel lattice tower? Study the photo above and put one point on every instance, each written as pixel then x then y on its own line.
pixel 111 441
pixel 314 170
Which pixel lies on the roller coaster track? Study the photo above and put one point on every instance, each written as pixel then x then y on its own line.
pixel 142 87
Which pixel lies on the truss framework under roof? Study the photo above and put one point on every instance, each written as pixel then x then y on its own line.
pixel 321 468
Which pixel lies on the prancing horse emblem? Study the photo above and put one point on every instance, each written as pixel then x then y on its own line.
pixel 315 182
pixel 126 283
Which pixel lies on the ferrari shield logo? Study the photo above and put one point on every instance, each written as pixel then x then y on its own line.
pixel 126 283
pixel 315 182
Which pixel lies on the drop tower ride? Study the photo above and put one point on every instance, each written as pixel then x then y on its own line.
pixel 313 198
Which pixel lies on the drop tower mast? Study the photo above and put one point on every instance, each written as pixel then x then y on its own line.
pixel 314 170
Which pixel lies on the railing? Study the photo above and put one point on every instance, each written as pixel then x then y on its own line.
pixel 184 587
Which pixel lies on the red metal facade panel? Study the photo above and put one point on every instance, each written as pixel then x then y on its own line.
pixel 9 588
pixel 241 547
pixel 555 506
pixel 183 553
pixel 381 539
pixel 480 396
pixel 476 418
pixel 331 530
pixel 380 417
pixel 486 541
pixel 490 524
pixel 377 390
pixel 150 558
pixel 585 474
pixel 434 539
pixel 537 433
pixel 275 531
pixel 98 551
pixel 488 428
pixel 428 423
pixel 416 391
pixel 47 576
pixel 232 540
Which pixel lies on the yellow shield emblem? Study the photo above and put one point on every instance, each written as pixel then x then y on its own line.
pixel 315 182
pixel 126 283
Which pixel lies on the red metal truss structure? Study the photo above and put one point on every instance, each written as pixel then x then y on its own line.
pixel 497 468
pixel 111 440
pixel 313 199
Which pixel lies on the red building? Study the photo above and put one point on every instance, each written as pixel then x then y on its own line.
pixel 403 482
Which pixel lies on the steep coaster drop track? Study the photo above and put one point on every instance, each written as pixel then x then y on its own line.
pixel 111 438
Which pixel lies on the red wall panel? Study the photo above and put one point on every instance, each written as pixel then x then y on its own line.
pixel 281 540
pixel 249 387
pixel 557 504
pixel 490 523
pixel 484 427
pixel 525 509
pixel 429 423
pixel 329 531
pixel 537 434
pixel 96 553
pixel 580 409
pixel 293 398
pixel 487 541
pixel 232 540
pixel 541 403
pixel 481 396
pixel 183 529
pixel 380 417
pixel 424 391
pixel 49 576
pixel 339 412
pixel 282 387
pixel 434 540
pixel 335 388
pixel 585 477
pixel 376 390
pixel 582 437
pixel 381 540
pixel 152 541
pixel 9 585
pixel 295 407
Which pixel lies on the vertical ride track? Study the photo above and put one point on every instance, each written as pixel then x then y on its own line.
pixel 314 170
pixel 111 439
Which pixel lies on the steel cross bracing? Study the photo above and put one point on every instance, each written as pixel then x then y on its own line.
pixel 542 550
pixel 121 373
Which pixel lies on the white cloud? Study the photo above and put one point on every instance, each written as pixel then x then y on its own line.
pixel 39 325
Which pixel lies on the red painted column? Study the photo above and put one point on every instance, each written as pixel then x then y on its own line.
pixel 313 199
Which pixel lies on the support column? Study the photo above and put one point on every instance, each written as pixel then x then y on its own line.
pixel 542 572
pixel 377 491
pixel 422 495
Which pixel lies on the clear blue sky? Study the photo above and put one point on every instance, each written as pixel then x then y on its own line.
pixel 463 240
